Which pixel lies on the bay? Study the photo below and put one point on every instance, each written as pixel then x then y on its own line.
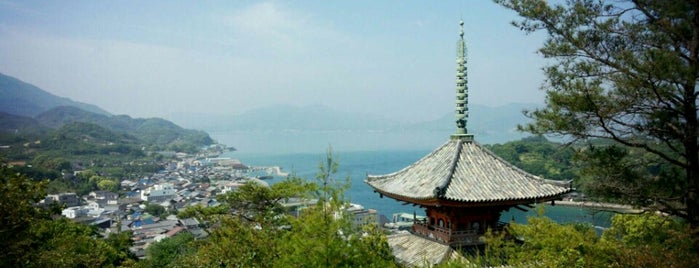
pixel 355 165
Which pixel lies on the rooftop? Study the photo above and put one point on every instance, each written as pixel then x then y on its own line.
pixel 414 251
pixel 462 170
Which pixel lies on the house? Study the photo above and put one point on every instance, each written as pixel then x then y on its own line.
pixel 74 212
pixel 362 216
pixel 105 197
pixel 69 199
pixel 159 193
pixel 128 184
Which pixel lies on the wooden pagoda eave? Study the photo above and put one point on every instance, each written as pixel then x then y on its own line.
pixel 438 202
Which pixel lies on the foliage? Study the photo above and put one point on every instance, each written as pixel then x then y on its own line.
pixel 262 204
pixel 627 72
pixel 19 194
pixel 63 243
pixel 323 235
pixel 155 210
pixel 236 243
pixel 650 240
pixel 30 237
pixel 168 250
pixel 108 185
pixel 121 242
pixel 645 240
pixel 11 125
pixel 539 156
pixel 253 229
pixel 51 163
pixel 631 176
pixel 77 146
pixel 65 139
pixel 147 131
pixel 162 132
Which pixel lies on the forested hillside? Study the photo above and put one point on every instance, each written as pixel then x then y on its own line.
pixel 48 137
pixel 539 156
pixel 150 131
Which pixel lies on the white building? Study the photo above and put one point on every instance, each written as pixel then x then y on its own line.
pixel 74 212
pixel 159 193
pixel 362 216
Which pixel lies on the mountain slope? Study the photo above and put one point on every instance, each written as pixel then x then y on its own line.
pixel 92 133
pixel 151 130
pixel 19 101
pixel 20 98
pixel 15 129
pixel 62 115
pixel 16 124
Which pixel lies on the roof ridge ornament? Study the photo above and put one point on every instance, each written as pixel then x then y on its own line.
pixel 461 112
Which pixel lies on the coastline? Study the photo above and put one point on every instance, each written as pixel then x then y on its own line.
pixel 600 206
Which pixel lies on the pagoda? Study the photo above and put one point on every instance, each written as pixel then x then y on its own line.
pixel 463 186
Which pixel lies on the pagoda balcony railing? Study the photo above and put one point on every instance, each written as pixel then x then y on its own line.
pixel 453 237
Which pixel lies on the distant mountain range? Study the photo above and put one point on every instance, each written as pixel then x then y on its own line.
pixel 489 124
pixel 28 110
pixel 20 98
pixel 311 129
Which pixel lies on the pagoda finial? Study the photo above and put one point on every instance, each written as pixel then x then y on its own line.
pixel 461 113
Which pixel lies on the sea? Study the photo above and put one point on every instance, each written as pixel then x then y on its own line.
pixel 356 165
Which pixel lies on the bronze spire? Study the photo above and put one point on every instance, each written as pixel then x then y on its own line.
pixel 461 113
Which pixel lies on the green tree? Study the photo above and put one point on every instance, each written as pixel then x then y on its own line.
pixel 650 240
pixel 19 194
pixel 236 243
pixel 624 71
pixel 167 251
pixel 108 185
pixel 121 242
pixel 253 229
pixel 155 210
pixel 323 235
pixel 63 243
pixel 31 237
pixel 539 156
pixel 246 229
pixel 51 163
pixel 646 240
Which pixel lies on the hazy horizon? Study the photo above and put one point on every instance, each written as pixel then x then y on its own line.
pixel 395 59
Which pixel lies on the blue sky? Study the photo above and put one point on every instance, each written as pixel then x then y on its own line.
pixel 394 59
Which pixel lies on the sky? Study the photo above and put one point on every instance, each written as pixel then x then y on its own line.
pixel 393 59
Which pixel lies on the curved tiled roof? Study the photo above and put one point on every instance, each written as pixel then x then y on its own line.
pixel 464 171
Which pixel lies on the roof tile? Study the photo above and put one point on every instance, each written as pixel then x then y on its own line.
pixel 468 172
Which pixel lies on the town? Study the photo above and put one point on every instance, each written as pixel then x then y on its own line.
pixel 149 205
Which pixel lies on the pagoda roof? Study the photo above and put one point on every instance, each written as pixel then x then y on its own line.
pixel 461 172
pixel 412 250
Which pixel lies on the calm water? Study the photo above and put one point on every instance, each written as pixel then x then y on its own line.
pixel 356 165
